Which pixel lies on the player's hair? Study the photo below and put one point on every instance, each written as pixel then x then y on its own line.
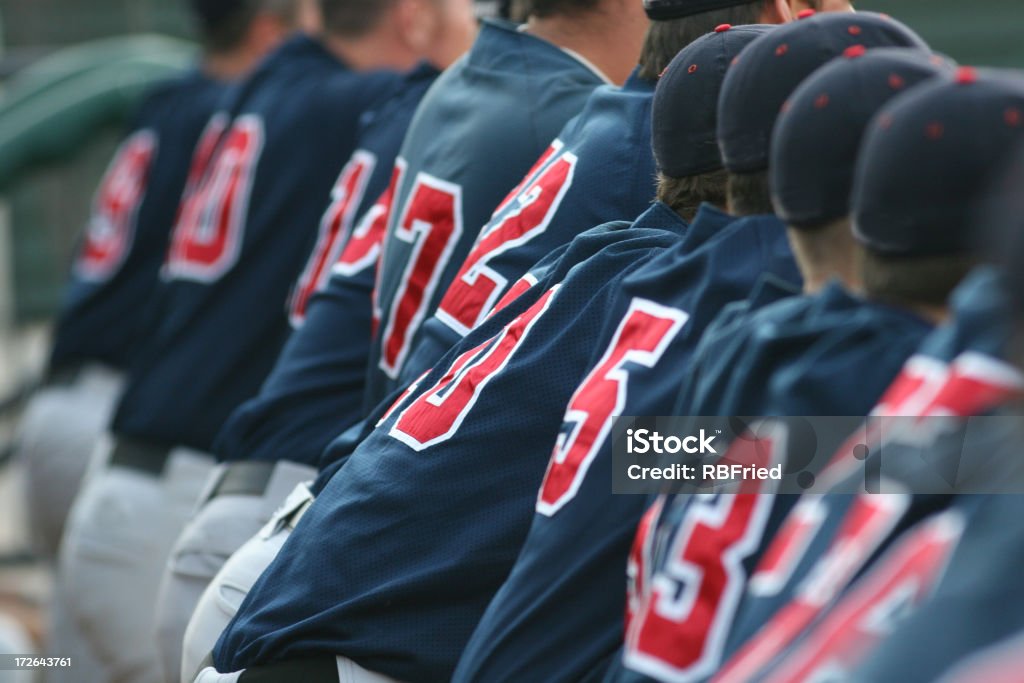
pixel 685 195
pixel 666 38
pixel 749 194
pixel 353 18
pixel 909 281
pixel 228 33
pixel 548 8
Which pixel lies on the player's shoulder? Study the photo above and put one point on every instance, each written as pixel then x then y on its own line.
pixel 503 46
pixel 397 101
pixel 772 298
pixel 190 89
pixel 657 228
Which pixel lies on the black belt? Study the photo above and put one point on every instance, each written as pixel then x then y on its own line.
pixel 137 454
pixel 315 669
pixel 244 479
pixel 63 377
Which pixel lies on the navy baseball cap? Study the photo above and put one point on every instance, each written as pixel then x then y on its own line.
pixel 929 159
pixel 771 68
pixel 663 10
pixel 818 134
pixel 684 114
pixel 212 12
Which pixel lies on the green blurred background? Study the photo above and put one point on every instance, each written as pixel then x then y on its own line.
pixel 47 206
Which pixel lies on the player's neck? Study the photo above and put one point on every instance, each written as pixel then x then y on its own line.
pixel 936 315
pixel 596 36
pixel 229 66
pixel 373 51
pixel 824 254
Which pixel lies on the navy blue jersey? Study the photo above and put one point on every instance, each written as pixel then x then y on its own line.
pixel 953 373
pixel 979 601
pixel 479 129
pixel 826 354
pixel 567 582
pixel 240 241
pixel 403 560
pixel 107 301
pixel 316 388
pixel 599 169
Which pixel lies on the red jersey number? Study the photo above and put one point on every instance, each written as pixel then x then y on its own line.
pixel 208 237
pixel 680 622
pixel 643 335
pixel 335 228
pixel 432 225
pixel 436 415
pixel 111 229
pixel 477 286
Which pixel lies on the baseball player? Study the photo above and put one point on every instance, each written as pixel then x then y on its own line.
pixel 315 387
pixel 973 604
pixel 913 223
pixel 108 297
pixel 242 235
pixel 569 557
pixel 598 169
pixel 442 199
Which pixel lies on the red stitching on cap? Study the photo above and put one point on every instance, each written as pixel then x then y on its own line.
pixel 781 50
pixel 855 51
pixel 822 101
pixel 692 69
pixel 934 130
pixel 722 28
pixel 966 75
pixel 896 81
pixel 1013 117
pixel 855 30
pixel 806 13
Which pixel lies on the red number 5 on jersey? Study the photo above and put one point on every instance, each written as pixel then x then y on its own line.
pixel 642 337
pixel 432 225
pixel 208 236
pixel 112 225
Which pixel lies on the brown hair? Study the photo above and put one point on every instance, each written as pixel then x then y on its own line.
pixel 685 195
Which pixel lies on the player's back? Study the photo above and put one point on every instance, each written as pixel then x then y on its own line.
pixel 600 168
pixel 477 132
pixel 316 387
pixel 240 240
pixel 107 307
pixel 575 553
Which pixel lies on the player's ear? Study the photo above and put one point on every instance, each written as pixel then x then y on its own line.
pixel 310 19
pixel 776 12
pixel 418 22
